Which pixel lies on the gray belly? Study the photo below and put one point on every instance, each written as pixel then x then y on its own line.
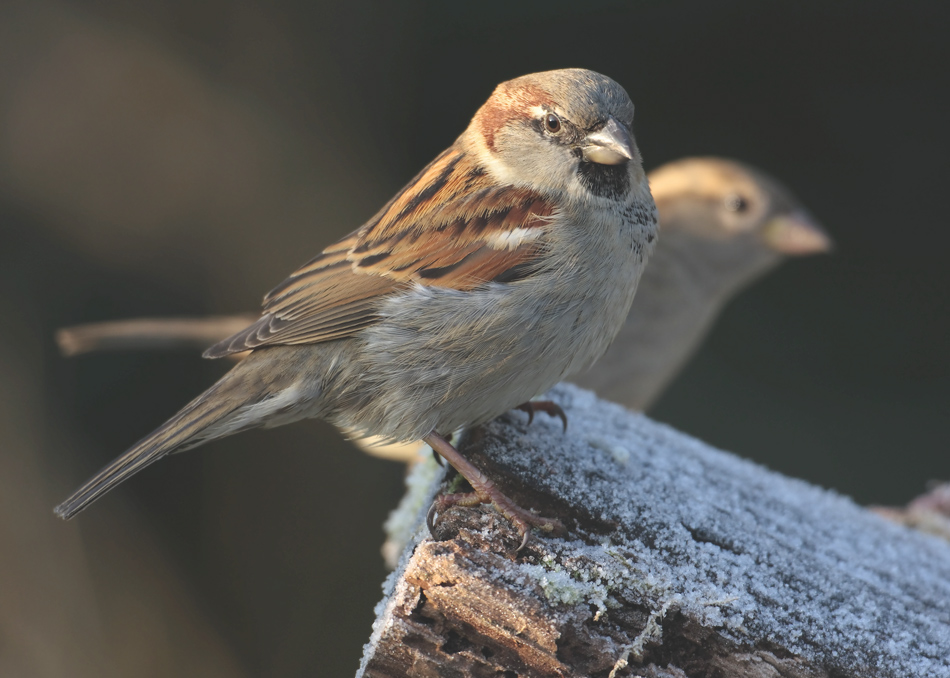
pixel 443 359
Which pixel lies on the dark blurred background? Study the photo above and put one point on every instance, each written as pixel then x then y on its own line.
pixel 176 157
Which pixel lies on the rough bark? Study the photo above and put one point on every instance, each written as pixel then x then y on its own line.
pixel 680 560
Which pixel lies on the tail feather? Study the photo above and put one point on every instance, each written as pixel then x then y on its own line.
pixel 180 432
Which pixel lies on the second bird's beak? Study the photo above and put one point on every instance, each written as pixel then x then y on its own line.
pixel 610 145
pixel 796 234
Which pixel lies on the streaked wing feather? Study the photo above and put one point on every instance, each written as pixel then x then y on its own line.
pixel 450 227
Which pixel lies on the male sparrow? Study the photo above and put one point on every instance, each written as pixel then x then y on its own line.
pixel 506 264
pixel 723 224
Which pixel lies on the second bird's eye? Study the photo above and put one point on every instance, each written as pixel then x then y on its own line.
pixel 552 123
pixel 736 203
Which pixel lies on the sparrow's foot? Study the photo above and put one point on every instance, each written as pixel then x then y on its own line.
pixel 549 407
pixel 484 492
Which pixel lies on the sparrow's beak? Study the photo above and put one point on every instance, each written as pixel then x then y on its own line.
pixel 610 145
pixel 796 234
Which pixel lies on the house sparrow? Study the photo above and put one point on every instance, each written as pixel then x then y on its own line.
pixel 722 225
pixel 507 264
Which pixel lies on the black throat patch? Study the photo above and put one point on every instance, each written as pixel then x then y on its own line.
pixel 604 181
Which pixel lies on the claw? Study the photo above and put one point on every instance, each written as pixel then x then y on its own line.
pixel 484 492
pixel 549 407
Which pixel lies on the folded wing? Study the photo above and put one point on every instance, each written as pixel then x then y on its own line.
pixel 451 226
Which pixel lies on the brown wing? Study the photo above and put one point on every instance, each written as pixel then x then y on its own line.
pixel 450 227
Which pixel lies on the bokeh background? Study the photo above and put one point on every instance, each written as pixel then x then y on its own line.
pixel 180 157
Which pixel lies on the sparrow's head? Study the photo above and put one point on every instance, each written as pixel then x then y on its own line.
pixel 721 200
pixel 566 131
pixel 732 217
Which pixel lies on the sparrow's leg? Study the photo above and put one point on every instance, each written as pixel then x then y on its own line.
pixel 549 407
pixel 485 492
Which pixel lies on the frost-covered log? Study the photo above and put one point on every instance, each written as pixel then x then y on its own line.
pixel 680 560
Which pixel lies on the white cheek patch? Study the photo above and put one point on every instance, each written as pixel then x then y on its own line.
pixel 509 240
pixel 500 172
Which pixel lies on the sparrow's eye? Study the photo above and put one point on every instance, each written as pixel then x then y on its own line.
pixel 736 203
pixel 552 123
